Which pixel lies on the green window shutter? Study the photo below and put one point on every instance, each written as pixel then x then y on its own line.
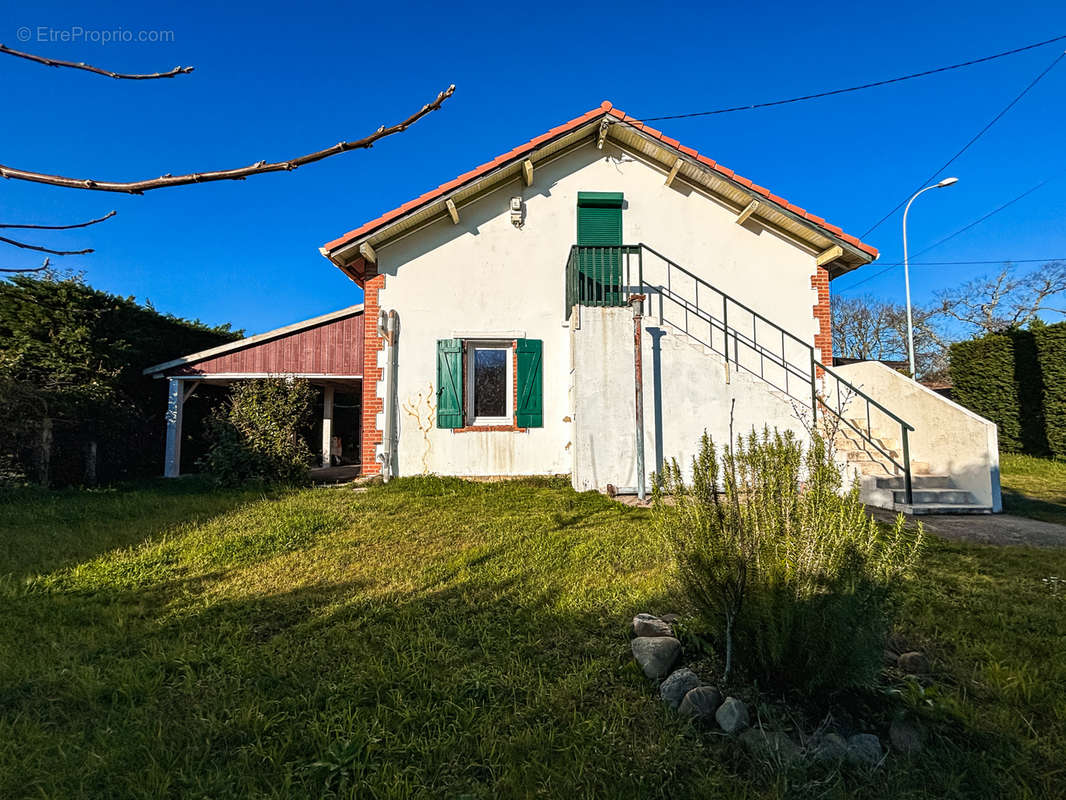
pixel 449 383
pixel 599 218
pixel 599 222
pixel 530 384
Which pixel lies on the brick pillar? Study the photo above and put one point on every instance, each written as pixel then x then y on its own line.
pixel 823 339
pixel 373 344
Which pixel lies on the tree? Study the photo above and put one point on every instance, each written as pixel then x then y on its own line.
pixel 168 180
pixel 71 358
pixel 876 330
pixel 994 303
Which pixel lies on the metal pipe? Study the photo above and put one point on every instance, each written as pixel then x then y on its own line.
pixel 636 301
pixel 388 328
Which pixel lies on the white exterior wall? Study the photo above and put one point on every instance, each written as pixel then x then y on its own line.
pixel 487 278
pixel 953 440
pixel 685 393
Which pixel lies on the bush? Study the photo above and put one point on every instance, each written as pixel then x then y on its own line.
pixel 797 584
pixel 257 435
pixel 1051 353
pixel 982 379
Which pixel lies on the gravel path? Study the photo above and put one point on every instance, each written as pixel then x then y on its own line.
pixel 1003 529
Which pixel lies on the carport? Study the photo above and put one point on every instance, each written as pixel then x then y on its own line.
pixel 325 350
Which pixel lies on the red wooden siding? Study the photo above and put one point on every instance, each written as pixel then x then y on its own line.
pixel 333 348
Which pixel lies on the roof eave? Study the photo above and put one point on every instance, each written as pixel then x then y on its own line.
pixel 344 251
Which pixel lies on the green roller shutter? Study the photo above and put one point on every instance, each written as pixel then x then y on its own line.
pixel 599 222
pixel 530 384
pixel 449 383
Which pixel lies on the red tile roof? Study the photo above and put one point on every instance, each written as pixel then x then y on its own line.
pixel 605 109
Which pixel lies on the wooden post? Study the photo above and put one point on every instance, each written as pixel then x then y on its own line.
pixel 327 425
pixel 90 464
pixel 45 465
pixel 175 406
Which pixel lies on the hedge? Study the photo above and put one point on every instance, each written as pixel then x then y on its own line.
pixel 1051 353
pixel 1017 379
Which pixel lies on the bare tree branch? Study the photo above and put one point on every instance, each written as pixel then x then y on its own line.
pixel 240 173
pixel 39 249
pixel 41 268
pixel 106 216
pixel 55 62
pixel 1005 300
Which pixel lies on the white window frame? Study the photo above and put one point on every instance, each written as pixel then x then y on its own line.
pixel 469 346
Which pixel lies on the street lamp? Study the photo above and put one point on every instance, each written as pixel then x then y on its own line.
pixel 907 272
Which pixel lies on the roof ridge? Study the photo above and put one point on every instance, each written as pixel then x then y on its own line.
pixel 606 108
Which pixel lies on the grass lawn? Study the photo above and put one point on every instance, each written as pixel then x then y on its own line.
pixel 434 638
pixel 1034 487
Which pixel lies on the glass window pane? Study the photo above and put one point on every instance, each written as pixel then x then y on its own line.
pixel 490 382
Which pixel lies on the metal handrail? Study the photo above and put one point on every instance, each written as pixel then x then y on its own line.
pixel 611 285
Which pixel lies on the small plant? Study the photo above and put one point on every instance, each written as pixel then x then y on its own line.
pixel 798 581
pixel 258 434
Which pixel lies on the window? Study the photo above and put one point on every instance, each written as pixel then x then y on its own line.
pixel 489 382
pixel 480 381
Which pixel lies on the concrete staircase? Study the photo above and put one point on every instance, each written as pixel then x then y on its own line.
pixel 881 481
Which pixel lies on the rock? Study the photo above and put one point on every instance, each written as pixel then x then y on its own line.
pixel 864 749
pixel 700 704
pixel 732 715
pixel 670 619
pixel 656 655
pixel 680 683
pixel 913 663
pixel 906 736
pixel 774 746
pixel 831 747
pixel 647 625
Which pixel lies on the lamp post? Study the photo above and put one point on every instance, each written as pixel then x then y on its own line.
pixel 907 271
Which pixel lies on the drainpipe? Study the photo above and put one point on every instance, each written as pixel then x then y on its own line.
pixel 636 301
pixel 388 328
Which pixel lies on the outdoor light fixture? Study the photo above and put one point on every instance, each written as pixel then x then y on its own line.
pixel 907 272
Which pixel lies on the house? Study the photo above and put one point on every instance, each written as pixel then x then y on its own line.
pixel 502 312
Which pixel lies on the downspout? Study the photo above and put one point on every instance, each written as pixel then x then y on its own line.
pixel 388 329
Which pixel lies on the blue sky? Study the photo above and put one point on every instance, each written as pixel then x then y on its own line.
pixel 278 80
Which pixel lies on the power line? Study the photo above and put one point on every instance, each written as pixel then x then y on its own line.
pixel 832 92
pixel 990 261
pixel 970 143
pixel 963 229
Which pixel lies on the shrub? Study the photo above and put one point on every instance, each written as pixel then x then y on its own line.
pixel 257 435
pixel 1051 353
pixel 982 379
pixel 797 583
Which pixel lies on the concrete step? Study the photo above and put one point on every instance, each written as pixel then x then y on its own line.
pixel 935 497
pixel 917 482
pixel 941 508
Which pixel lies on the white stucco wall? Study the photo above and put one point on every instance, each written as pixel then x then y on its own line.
pixel 685 393
pixel 953 440
pixel 486 277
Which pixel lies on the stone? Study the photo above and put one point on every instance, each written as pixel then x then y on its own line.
pixel 647 625
pixel 864 749
pixel 831 747
pixel 656 654
pixel 675 687
pixel 670 619
pixel 732 715
pixel 906 736
pixel 774 746
pixel 700 704
pixel 913 663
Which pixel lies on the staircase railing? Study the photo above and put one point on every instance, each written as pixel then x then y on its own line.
pixel 606 275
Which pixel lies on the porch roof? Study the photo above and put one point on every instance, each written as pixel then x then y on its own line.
pixel 329 346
